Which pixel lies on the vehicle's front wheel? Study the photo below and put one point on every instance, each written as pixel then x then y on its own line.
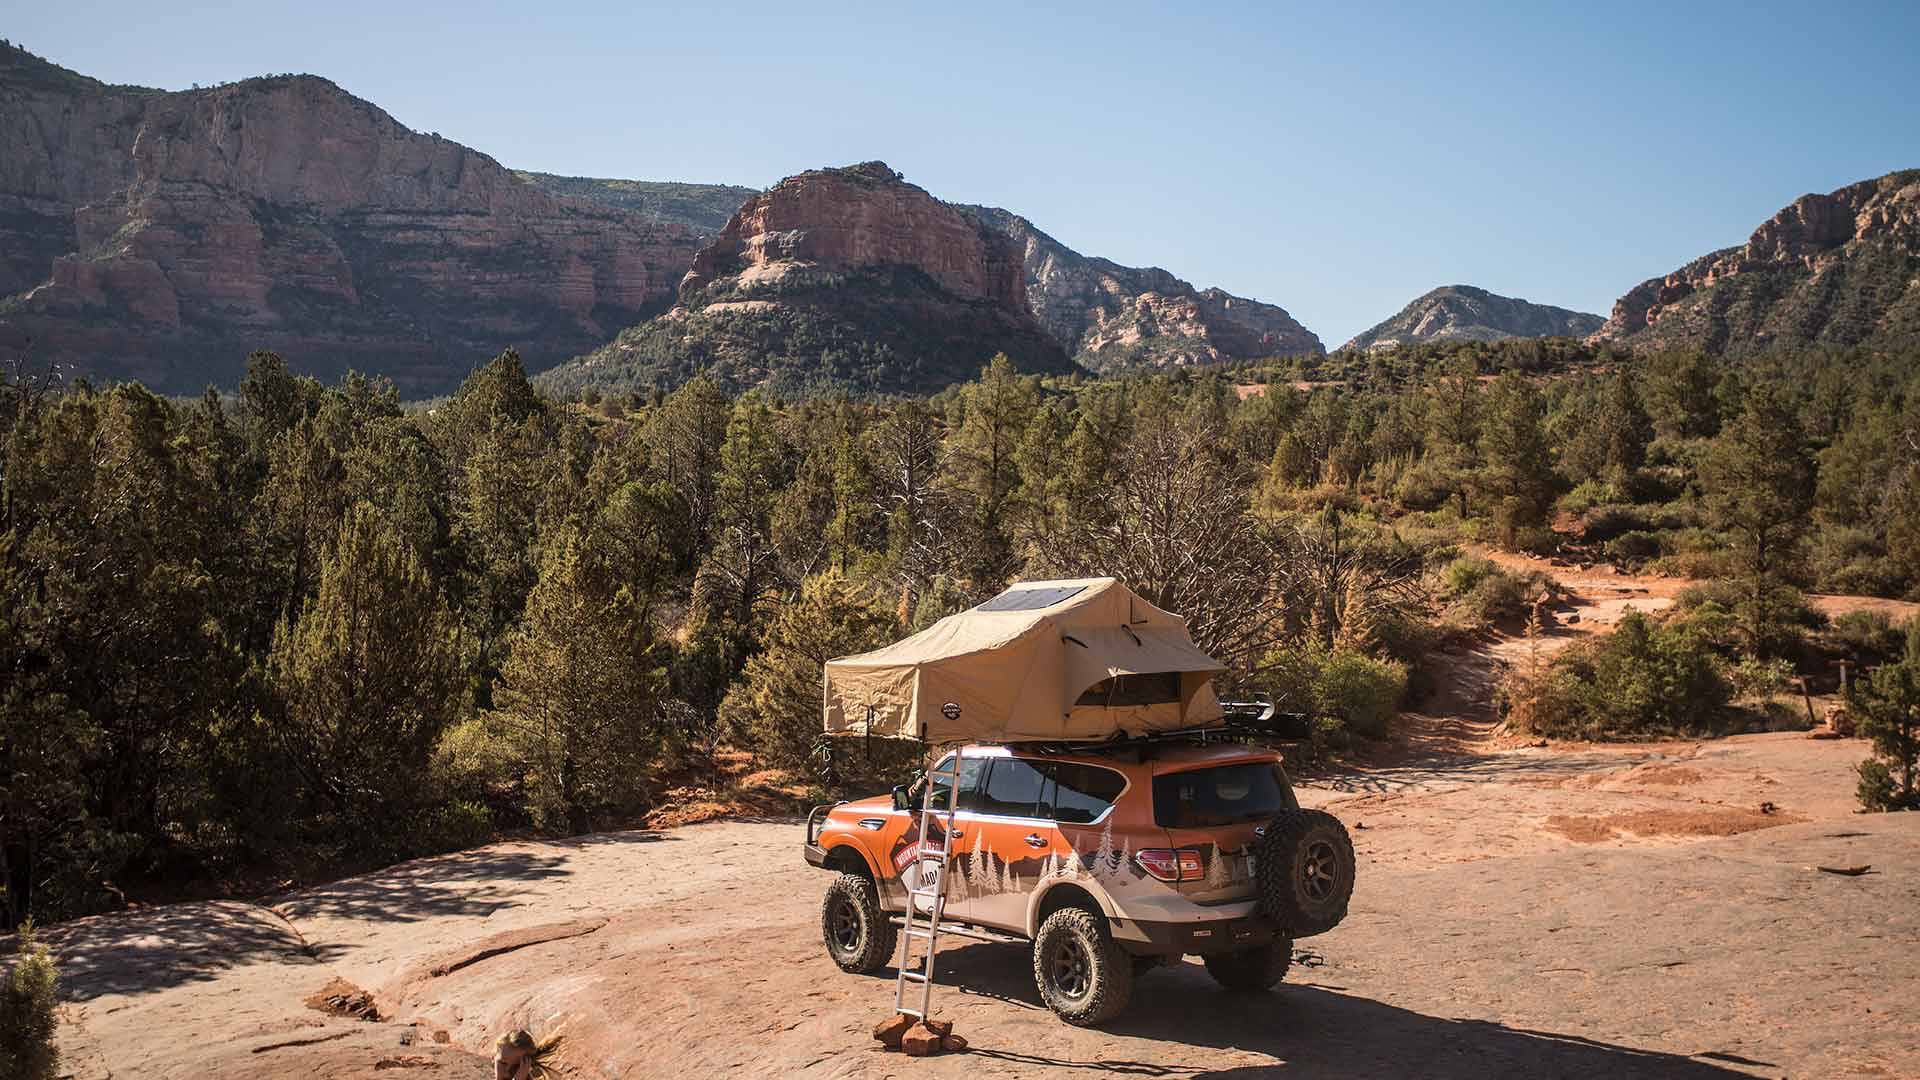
pixel 1258 968
pixel 858 935
pixel 1083 976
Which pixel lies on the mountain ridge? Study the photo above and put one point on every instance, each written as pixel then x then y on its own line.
pixel 1111 317
pixel 1838 269
pixel 1470 313
pixel 843 278
pixel 162 235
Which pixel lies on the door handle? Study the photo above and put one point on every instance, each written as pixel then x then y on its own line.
pixel 1034 840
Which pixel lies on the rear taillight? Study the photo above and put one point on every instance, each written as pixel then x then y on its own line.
pixel 1170 864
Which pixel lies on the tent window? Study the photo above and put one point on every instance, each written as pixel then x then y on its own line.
pixel 1153 688
pixel 1018 599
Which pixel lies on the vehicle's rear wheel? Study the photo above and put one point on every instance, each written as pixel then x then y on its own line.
pixel 1305 871
pixel 1083 976
pixel 858 935
pixel 1258 968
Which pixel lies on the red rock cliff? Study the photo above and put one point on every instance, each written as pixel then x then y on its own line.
pixel 863 216
pixel 162 235
pixel 1828 269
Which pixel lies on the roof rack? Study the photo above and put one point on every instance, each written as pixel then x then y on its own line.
pixel 1241 721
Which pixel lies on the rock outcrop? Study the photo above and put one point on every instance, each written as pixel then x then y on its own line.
pixel 1840 269
pixel 704 208
pixel 1110 317
pixel 847 278
pixel 162 235
pixel 1464 313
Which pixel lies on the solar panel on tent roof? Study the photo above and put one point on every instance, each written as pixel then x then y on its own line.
pixel 1031 599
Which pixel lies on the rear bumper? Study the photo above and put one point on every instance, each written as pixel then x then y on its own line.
pixel 1156 938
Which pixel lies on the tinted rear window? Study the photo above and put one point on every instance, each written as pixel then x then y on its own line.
pixel 1078 794
pixel 1223 795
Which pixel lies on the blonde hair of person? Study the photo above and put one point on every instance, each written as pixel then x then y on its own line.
pixel 517 1055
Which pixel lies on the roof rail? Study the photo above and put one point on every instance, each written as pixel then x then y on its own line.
pixel 1241 721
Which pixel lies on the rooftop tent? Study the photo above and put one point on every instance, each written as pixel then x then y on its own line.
pixel 1042 661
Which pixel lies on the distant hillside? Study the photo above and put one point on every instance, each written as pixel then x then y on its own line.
pixel 845 279
pixel 1110 317
pixel 161 236
pixel 1840 269
pixel 1464 313
pixel 704 208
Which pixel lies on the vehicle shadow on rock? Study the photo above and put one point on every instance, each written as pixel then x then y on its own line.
pixel 1311 1031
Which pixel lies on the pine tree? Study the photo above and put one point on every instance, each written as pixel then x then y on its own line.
pixel 1888 707
pixel 578 693
pixel 684 436
pixel 1680 394
pixel 774 708
pixel 1758 479
pixel 982 471
pixel 28 1020
pixel 367 677
pixel 741 575
pixel 1516 471
pixel 1454 417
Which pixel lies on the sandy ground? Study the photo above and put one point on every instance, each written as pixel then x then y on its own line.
pixel 1646 910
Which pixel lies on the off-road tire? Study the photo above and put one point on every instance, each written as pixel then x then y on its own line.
pixel 1254 969
pixel 1305 872
pixel 1075 948
pixel 857 933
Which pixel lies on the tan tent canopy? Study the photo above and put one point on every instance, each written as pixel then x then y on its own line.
pixel 1043 661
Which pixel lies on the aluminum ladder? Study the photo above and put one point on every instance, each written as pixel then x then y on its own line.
pixel 925 926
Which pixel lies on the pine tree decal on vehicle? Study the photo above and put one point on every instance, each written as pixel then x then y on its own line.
pixel 1218 874
pixel 1103 860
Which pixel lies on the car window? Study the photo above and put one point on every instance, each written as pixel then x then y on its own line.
pixel 1222 795
pixel 1013 789
pixel 1079 794
pixel 971 770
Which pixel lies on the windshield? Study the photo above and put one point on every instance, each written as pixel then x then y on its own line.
pixel 1222 795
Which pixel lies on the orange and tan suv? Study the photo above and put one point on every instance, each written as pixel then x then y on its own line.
pixel 1107 860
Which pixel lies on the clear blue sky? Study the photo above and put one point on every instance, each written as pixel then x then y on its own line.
pixel 1337 159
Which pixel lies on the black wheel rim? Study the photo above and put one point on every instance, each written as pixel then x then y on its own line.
pixel 1319 871
pixel 844 926
pixel 1070 969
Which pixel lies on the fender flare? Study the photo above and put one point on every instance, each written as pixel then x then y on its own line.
pixel 1085 883
pixel 838 844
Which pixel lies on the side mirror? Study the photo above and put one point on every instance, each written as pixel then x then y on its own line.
pixel 902 797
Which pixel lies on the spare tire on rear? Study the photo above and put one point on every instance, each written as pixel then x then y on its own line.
pixel 1305 869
